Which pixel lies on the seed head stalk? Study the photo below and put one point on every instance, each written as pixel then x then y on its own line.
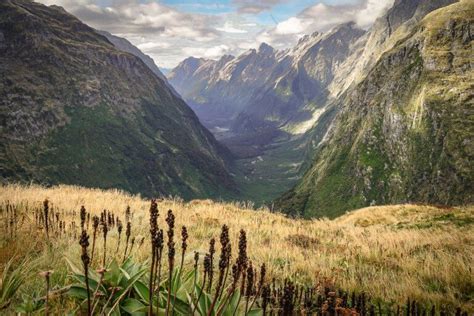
pixel 171 255
pixel 119 230
pixel 83 215
pixel 207 266
pixel 260 285
pixel 159 253
pixel 128 232
pixel 153 237
pixel 84 242
pixel 105 230
pixel 46 217
pixel 46 275
pixel 212 251
pixel 184 246
pixel 224 261
pixel 238 269
pixel 95 226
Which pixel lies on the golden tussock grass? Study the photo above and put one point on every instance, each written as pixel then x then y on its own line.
pixel 396 252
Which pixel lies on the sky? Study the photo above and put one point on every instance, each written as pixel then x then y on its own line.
pixel 172 30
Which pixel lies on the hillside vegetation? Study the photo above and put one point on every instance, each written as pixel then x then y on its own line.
pixel 404 133
pixel 78 110
pixel 391 253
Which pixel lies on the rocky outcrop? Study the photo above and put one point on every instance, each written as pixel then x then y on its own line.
pixel 264 89
pixel 124 45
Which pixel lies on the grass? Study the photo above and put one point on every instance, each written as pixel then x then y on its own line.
pixel 387 252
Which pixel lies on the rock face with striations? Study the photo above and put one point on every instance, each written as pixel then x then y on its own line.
pixel 404 131
pixel 219 89
pixel 124 45
pixel 77 110
pixel 264 89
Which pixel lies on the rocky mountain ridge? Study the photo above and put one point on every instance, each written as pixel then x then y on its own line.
pixel 77 110
pixel 404 132
pixel 325 97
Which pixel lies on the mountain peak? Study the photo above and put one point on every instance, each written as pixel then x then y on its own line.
pixel 344 28
pixel 226 58
pixel 264 48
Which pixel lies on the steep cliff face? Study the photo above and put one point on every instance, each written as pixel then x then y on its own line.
pixel 77 110
pixel 182 75
pixel 297 93
pixel 124 45
pixel 404 133
pixel 387 30
pixel 267 89
pixel 219 89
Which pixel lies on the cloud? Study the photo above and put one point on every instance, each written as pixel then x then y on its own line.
pixel 153 45
pixel 228 28
pixel 322 17
pixel 212 52
pixel 255 7
pixel 372 10
pixel 169 35
pixel 291 26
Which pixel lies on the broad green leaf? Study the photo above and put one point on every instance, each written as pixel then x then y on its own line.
pixel 78 292
pixel 123 292
pixel 142 290
pixel 113 274
pixel 134 307
pixel 255 312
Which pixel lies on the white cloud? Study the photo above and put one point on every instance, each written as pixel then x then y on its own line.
pixel 169 35
pixel 211 52
pixel 152 45
pixel 255 7
pixel 373 9
pixel 293 25
pixel 322 17
pixel 228 28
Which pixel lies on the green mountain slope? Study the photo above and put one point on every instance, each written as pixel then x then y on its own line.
pixel 77 110
pixel 406 131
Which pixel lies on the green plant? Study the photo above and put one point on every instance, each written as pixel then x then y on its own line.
pixel 12 279
pixel 29 305
pixel 113 289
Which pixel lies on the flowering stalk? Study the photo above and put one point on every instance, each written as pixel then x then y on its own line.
pixel 171 255
pixel 84 242
pixel 153 237
pixel 224 261
pixel 95 226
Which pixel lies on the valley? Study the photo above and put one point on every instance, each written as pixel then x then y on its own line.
pixel 329 125
pixel 199 158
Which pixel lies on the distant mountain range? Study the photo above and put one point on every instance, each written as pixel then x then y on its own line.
pixel 384 113
pixel 80 106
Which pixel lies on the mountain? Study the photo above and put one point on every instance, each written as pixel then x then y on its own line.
pixel 404 131
pixel 263 103
pixel 298 90
pixel 77 108
pixel 265 88
pixel 124 45
pixel 217 89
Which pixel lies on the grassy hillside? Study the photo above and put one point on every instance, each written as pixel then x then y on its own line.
pixel 392 253
pixel 404 133
pixel 77 110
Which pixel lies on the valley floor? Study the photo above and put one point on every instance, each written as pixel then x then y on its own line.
pixel 277 168
pixel 266 165
pixel 392 253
